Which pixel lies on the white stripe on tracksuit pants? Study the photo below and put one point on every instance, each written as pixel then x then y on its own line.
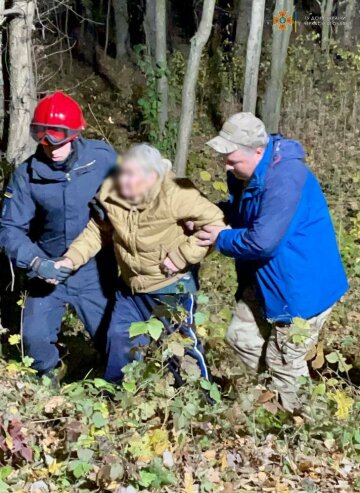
pixel 130 308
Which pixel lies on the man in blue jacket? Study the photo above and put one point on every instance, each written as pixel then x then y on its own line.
pixel 46 206
pixel 284 244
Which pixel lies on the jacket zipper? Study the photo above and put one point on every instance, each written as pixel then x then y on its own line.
pixel 85 165
pixel 68 175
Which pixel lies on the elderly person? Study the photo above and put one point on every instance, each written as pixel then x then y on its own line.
pixel 144 206
pixel 284 244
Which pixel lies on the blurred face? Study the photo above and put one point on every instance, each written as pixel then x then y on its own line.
pixel 58 153
pixel 242 163
pixel 134 183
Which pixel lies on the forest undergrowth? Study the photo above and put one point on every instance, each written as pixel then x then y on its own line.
pixel 149 435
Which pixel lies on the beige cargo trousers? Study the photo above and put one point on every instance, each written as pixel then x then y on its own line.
pixel 254 338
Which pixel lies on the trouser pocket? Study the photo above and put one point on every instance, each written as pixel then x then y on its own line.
pixel 244 335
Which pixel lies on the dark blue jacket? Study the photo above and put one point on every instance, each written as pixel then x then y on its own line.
pixel 283 236
pixel 44 209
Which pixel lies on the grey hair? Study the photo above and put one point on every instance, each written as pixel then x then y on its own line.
pixel 149 158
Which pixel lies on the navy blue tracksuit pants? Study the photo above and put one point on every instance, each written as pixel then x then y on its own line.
pixel 129 308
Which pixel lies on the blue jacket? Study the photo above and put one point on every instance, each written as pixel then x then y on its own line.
pixel 44 209
pixel 283 236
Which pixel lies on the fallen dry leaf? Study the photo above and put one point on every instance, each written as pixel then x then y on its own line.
pixel 54 403
pixel 262 476
pixel 265 397
pixel 189 484
pixel 209 454
pixel 228 488
pixel 320 358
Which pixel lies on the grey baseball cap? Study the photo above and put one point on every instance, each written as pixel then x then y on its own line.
pixel 241 129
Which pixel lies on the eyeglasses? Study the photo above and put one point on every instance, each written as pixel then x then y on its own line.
pixel 45 135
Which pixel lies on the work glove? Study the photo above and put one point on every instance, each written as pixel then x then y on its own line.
pixel 45 269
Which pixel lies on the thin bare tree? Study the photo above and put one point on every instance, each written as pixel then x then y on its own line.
pixel 161 63
pixel 22 83
pixel 280 44
pixel 2 96
pixel 198 43
pixel 243 17
pixel 326 7
pixel 121 27
pixel 349 22
pixel 150 26
pixel 253 53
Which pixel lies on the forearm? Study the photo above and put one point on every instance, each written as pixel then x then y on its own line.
pixel 19 247
pixel 243 244
pixel 188 253
pixel 87 244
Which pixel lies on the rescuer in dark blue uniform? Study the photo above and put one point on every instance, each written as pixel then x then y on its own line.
pixel 46 205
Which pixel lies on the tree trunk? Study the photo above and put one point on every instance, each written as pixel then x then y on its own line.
pixel 160 58
pixel 2 96
pixel 349 22
pixel 189 89
pixel 326 7
pixel 150 27
pixel 22 83
pixel 280 43
pixel 253 53
pixel 242 22
pixel 122 27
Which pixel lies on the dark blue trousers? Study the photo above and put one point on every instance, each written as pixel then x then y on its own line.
pixel 129 308
pixel 46 306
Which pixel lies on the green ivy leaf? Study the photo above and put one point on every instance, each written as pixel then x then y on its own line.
pixel 214 393
pixel 147 409
pixel 5 472
pixel 205 384
pixel 85 455
pixel 116 471
pixel 101 384
pixel 202 299
pixel 298 339
pixel 200 318
pixel 3 487
pixel 332 357
pixel 155 328
pixel 14 339
pixel 220 186
pixel 138 329
pixel 27 361
pixel 205 175
pixel 300 323
pixel 98 420
pixel 146 478
pixel 357 436
pixel 129 387
pixel 320 389
pixel 79 468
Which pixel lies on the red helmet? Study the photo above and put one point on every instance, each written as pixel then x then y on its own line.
pixel 57 119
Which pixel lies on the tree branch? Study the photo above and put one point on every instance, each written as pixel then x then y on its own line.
pixel 16 11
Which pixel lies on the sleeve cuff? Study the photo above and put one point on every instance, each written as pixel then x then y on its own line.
pixel 26 254
pixel 226 240
pixel 177 259
pixel 75 257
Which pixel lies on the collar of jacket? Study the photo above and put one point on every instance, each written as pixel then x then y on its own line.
pixel 257 181
pixel 41 170
pixel 109 193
